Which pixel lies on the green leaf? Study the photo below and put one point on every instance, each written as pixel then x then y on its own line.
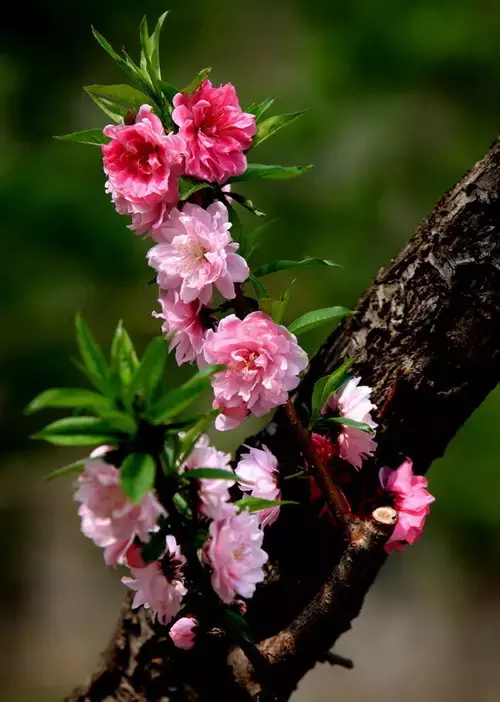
pixel 256 504
pixel 196 82
pixel 67 397
pixel 77 431
pixel 128 66
pixel 168 90
pixel 259 287
pixel 238 627
pixel 271 125
pixel 70 469
pixel 192 435
pixel 109 108
pixel 123 97
pixel 120 422
pixel 209 473
pixel 137 475
pixel 151 369
pixel 316 318
pixel 285 265
pixel 237 233
pixel 155 547
pixel 175 401
pixel 258 108
pixel 155 44
pixel 188 186
pixel 123 358
pixel 260 171
pixel 247 204
pixel 346 422
pixel 326 386
pixel 92 356
pixel 276 308
pixel 254 238
pixel 95 137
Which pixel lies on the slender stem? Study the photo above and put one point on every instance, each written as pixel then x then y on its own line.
pixel 334 497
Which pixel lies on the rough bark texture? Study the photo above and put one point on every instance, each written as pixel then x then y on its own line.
pixel 427 338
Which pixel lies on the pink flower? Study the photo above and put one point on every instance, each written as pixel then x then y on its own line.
pixel 235 554
pixel 260 468
pixel 197 252
pixel 411 500
pixel 213 493
pixel 353 402
pixel 109 518
pixel 216 132
pixel 182 632
pixel 264 362
pixel 143 165
pixel 160 585
pixel 183 324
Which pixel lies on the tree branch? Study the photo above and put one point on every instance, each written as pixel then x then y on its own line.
pixel 427 339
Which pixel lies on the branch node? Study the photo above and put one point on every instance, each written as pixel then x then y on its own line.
pixel 336 659
pixel 385 517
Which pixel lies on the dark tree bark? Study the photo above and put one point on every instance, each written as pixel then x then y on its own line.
pixel 427 339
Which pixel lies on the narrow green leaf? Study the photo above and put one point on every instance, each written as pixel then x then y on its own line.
pixel 256 504
pixel 155 44
pixel 155 548
pixel 260 171
pixel 259 287
pixel 70 469
pixel 258 108
pixel 151 369
pixel 123 358
pixel 238 627
pixel 168 90
pixel 175 401
pixel 196 82
pixel 92 356
pixel 209 473
pixel 271 125
pixel 254 238
pixel 346 422
pixel 326 386
pixel 247 204
pixel 316 318
pixel 285 265
pixel 94 137
pixel 276 308
pixel 120 422
pixel 188 186
pixel 137 475
pixel 67 397
pixel 123 96
pixel 110 108
pixel 106 46
pixel 237 232
pixel 192 435
pixel 77 431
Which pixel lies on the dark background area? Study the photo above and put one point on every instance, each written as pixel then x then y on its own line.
pixel 402 98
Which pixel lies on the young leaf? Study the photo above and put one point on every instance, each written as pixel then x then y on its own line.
pixel 168 90
pixel 192 435
pixel 196 82
pixel 155 547
pixel 128 66
pixel 260 171
pixel 346 422
pixel 155 45
pixel 276 308
pixel 316 318
pixel 71 468
pixel 175 401
pixel 95 137
pixel 271 125
pixel 238 626
pixel 285 265
pixel 120 422
pixel 326 386
pixel 123 96
pixel 256 504
pixel 151 369
pixel 259 287
pixel 188 186
pixel 253 238
pixel 78 431
pixel 247 204
pixel 258 108
pixel 110 108
pixel 209 473
pixel 68 397
pixel 92 356
pixel 137 475
pixel 123 358
pixel 237 232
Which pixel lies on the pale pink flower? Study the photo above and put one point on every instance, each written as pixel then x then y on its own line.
pixel 159 586
pixel 235 554
pixel 182 324
pixel 183 632
pixel 109 518
pixel 213 493
pixel 411 501
pixel 264 362
pixel 143 165
pixel 259 467
pixel 216 130
pixel 353 402
pixel 196 252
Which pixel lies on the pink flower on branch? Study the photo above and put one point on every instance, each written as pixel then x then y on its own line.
pixel 183 324
pixel 183 632
pixel 216 130
pixel 235 554
pixel 259 467
pixel 411 500
pixel 264 361
pixel 353 402
pixel 196 252
pixel 159 586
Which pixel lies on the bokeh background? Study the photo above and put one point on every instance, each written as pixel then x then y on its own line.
pixel 403 98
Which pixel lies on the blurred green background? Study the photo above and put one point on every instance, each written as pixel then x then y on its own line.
pixel 402 98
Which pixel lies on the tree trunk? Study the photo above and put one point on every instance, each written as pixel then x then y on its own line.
pixel 427 339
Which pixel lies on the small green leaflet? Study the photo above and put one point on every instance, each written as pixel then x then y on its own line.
pixel 271 125
pixel 258 108
pixel 122 96
pixel 192 435
pixel 197 81
pixel 237 232
pixel 68 397
pixel 151 368
pixel 316 318
pixel 276 308
pixel 260 171
pixel 120 422
pixel 247 204
pixel 155 45
pixel 346 422
pixel 259 287
pixel 326 386
pixel 209 473
pixel 123 358
pixel 70 469
pixel 175 401
pixel 125 64
pixel 92 357
pixel 78 431
pixel 254 238
pixel 94 137
pixel 155 547
pixel 238 626
pixel 188 186
pixel 137 475
pixel 256 504
pixel 285 265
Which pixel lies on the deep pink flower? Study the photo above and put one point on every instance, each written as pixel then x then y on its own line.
pixel 143 165
pixel 235 554
pixel 197 252
pixel 259 467
pixel 216 131
pixel 109 518
pixel 213 493
pixel 264 362
pixel 183 632
pixel 353 402
pixel 159 586
pixel 182 324
pixel 411 500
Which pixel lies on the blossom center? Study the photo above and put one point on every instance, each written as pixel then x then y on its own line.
pixel 171 567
